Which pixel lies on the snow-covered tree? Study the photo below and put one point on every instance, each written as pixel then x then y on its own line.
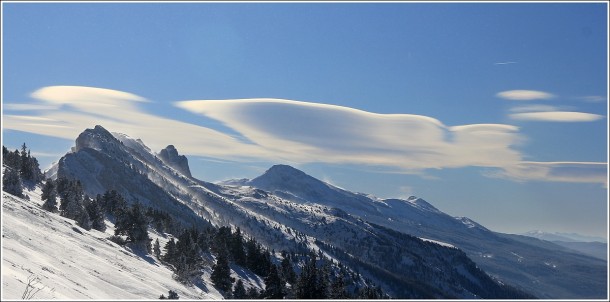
pixel 157 249
pixel 221 274
pixel 11 182
pixel 134 225
pixel 274 286
pixel 96 214
pixel 239 291
pixel 72 202
pixel 172 295
pixel 49 196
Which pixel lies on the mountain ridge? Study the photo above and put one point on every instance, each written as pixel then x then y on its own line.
pixel 285 207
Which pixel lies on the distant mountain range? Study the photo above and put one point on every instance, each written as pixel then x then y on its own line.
pixel 407 246
pixel 588 245
pixel 567 237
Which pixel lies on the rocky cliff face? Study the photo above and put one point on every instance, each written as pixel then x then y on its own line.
pixel 170 157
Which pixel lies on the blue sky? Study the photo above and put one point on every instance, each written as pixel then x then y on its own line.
pixel 493 111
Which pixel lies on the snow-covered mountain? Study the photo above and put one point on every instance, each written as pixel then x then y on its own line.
pixel 287 209
pixel 512 259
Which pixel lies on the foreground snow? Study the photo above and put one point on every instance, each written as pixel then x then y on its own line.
pixel 72 263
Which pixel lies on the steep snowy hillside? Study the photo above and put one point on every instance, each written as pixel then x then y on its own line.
pixel 76 264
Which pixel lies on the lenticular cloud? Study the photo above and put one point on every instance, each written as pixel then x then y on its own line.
pixel 283 130
pixel 309 132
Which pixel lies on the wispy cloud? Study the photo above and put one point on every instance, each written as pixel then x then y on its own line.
pixel 46 154
pixel 593 98
pixel 27 107
pixel 534 108
pixel 505 63
pixel 524 95
pixel 406 192
pixel 556 116
pixel 583 172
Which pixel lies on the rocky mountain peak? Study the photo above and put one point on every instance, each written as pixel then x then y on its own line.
pixel 97 138
pixel 170 156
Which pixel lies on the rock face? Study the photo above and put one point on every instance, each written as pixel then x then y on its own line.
pixel 98 139
pixel 170 157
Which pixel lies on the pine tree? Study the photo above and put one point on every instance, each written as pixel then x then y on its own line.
pixel 72 202
pixel 5 152
pixel 49 195
pixel 96 214
pixel 157 249
pixel 274 286
pixel 113 203
pixel 236 247
pixel 252 293
pixel 172 295
pixel 369 293
pixel 252 252
pixel 11 159
pixel 323 283
pixel 71 197
pixel 29 168
pixel 239 291
pixel 11 182
pixel 170 252
pixel 83 220
pixel 221 240
pixel 25 163
pixel 221 273
pixel 337 288
pixel 307 284
pixel 287 271
pixel 35 173
pixel 187 259
pixel 133 223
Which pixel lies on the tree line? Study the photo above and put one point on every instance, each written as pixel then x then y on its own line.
pixel 21 169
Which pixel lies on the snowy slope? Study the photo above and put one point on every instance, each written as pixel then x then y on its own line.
pixel 73 263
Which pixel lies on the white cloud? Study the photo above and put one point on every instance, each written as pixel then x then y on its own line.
pixel 524 95
pixel 584 172
pixel 593 98
pixel 289 131
pixel 117 111
pixel 80 94
pixel 534 108
pixel 556 116
pixel 310 132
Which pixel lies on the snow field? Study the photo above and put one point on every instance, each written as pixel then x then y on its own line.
pixel 72 263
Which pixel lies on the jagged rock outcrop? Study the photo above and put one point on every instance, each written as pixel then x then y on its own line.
pixel 170 157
